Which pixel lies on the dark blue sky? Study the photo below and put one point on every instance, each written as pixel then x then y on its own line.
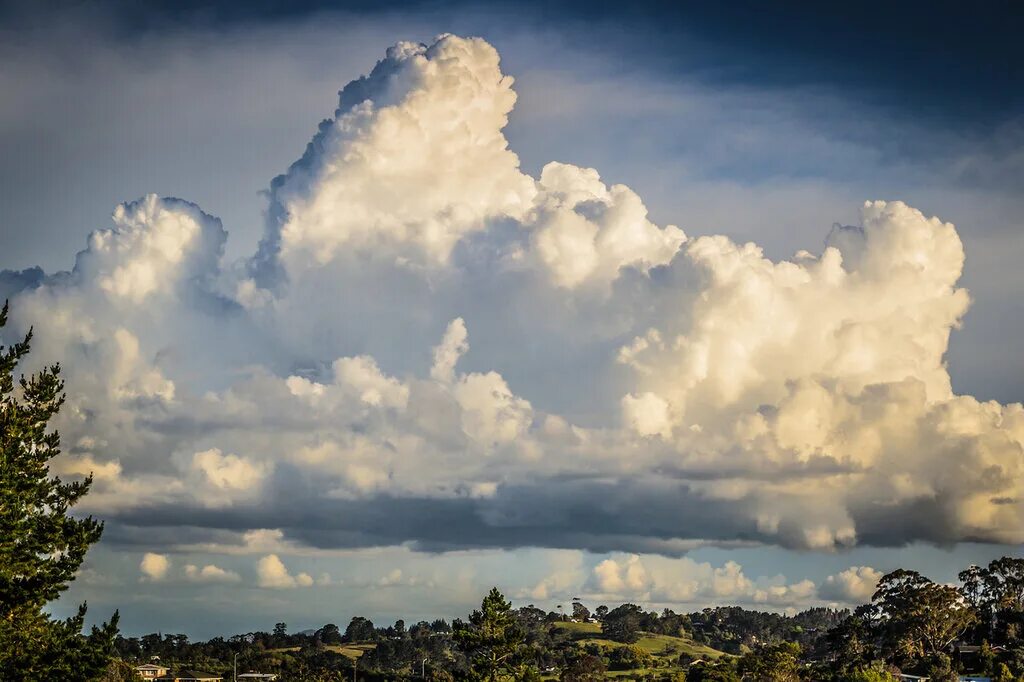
pixel 950 62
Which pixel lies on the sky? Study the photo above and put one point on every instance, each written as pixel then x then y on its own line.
pixel 364 309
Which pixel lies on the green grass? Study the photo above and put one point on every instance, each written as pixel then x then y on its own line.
pixel 664 648
pixel 350 650
pixel 659 646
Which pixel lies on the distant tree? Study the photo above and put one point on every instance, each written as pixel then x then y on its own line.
pixel 873 673
pixel 492 640
pixel 622 624
pixel 1003 674
pixel 119 671
pixel 584 668
pixel 851 644
pixel 629 658
pixel 531 617
pixel 360 630
pixel 940 669
pixel 328 634
pixel 580 612
pixel 672 624
pixel 997 594
pixel 719 671
pixel 600 612
pixel 280 630
pixel 776 663
pixel 41 546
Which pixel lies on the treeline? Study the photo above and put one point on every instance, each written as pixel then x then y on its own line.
pixel 912 626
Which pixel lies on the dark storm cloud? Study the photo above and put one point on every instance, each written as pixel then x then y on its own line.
pixel 597 516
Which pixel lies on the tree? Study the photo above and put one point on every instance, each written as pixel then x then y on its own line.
pixel 492 640
pixel 328 634
pixel 629 658
pixel 997 594
pixel 622 623
pixel 720 671
pixel 918 618
pixel 41 546
pixel 584 668
pixel 360 630
pixel 281 630
pixel 778 663
pixel 1003 674
pixel 580 612
pixel 600 612
pixel 873 673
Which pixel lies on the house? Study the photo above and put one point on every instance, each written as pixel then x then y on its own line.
pixel 190 676
pixel 151 671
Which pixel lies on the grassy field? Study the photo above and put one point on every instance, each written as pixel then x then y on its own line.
pixel 663 648
pixel 350 650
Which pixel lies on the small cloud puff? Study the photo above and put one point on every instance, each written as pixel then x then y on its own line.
pixel 272 573
pixel 154 566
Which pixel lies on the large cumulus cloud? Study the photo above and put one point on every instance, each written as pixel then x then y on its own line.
pixel 431 347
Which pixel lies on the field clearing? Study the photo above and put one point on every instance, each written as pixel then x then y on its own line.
pixel 659 646
pixel 350 650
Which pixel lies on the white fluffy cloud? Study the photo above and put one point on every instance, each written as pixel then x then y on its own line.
pixel 422 108
pixel 652 579
pixel 210 574
pixel 855 585
pixel 154 566
pixel 628 388
pixel 271 572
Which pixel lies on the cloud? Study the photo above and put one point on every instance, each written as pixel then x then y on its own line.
pixel 432 348
pixel 420 108
pixel 224 474
pixel 663 580
pixel 210 574
pixel 154 567
pixel 272 573
pixel 855 585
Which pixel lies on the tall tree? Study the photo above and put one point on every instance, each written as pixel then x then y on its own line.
pixel 622 623
pixel 41 545
pixel 493 640
pixel 918 618
pixel 997 592
pixel 360 630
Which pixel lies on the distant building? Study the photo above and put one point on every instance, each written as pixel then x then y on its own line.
pixel 258 676
pixel 151 671
pixel 190 676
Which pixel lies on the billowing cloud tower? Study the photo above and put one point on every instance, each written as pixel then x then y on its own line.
pixel 433 348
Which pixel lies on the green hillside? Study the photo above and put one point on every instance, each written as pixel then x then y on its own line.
pixel 664 648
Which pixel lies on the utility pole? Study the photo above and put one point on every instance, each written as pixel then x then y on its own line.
pixel 423 668
pixel 235 668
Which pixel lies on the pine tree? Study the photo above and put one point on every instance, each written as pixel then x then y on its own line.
pixel 41 546
pixel 493 640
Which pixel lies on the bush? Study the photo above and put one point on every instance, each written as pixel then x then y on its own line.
pixel 629 658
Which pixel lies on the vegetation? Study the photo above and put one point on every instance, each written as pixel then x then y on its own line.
pixel 41 545
pixel 912 625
